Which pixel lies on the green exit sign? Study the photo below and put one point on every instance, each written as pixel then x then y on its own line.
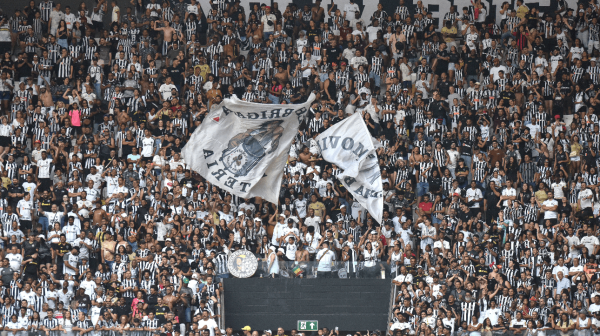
pixel 308 325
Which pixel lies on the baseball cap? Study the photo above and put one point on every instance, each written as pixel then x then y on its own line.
pixel 246 328
pixel 186 280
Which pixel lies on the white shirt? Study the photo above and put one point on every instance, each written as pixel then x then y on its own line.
pixel 29 297
pixel 111 184
pixel 266 27
pixel 69 20
pixel 30 188
pixel 508 192
pixel 24 209
pixel 473 194
pixel 147 147
pixel 563 269
pixel 372 31
pixel 550 214
pixel 558 189
pixel 422 86
pixel 71 232
pixel 15 261
pixel 493 315
pixel 300 205
pixel 404 278
pixel 585 197
pixel 115 14
pixel 325 258
pixel 534 129
pixel 590 242
pixel 350 9
pixel 192 8
pixel 89 286
pixel 165 91
pixel 44 168
pixel 210 324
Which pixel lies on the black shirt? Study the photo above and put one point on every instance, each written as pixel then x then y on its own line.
pixel 32 266
pixel 176 74
pixel 333 54
pixel 59 196
pixel 46 204
pixel 15 190
pixel 466 147
pixel 161 312
pixel 472 66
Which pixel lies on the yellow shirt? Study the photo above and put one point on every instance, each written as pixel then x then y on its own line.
pixel 521 11
pixel 204 70
pixel 5 182
pixel 319 208
pixel 452 30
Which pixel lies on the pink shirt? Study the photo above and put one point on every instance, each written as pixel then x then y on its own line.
pixel 75 117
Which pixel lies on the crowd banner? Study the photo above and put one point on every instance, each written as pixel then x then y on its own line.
pixel 349 145
pixel 243 147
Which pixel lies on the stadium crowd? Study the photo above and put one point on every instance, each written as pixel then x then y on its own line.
pixel 490 138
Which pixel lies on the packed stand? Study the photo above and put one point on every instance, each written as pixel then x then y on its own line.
pixel 489 132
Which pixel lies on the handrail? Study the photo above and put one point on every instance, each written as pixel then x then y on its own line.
pixel 221 307
pixel 391 310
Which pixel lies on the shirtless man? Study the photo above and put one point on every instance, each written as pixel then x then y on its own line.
pixel 318 12
pixel 281 75
pixel 170 299
pixel 168 32
pixel 99 214
pixel 231 49
pixel 46 97
pixel 213 96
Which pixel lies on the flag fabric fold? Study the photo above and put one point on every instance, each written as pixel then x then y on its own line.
pixel 349 145
pixel 243 147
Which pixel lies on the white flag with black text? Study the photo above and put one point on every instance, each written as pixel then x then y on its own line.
pixel 349 145
pixel 243 147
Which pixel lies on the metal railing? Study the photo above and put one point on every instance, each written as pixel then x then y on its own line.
pixel 391 309
pixel 339 269
pixel 221 308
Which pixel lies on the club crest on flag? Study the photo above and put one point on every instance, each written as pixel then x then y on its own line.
pixel 245 150
pixel 245 146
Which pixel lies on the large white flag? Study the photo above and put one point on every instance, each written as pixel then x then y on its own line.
pixel 243 147
pixel 349 145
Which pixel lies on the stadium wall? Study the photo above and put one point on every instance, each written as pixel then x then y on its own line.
pixel 350 304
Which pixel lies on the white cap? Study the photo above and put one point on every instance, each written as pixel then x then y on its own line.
pixel 273 248
pixel 99 300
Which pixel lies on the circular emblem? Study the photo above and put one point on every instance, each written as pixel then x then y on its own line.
pixel 242 264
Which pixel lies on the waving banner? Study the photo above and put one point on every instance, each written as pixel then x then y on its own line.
pixel 349 145
pixel 242 147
